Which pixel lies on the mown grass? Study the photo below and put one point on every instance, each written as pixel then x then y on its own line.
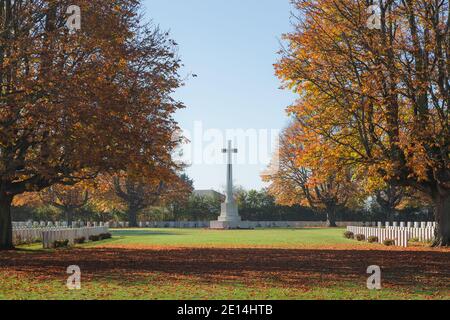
pixel 283 238
pixel 231 238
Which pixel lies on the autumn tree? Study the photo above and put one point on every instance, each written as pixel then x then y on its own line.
pixel 392 200
pixel 176 204
pixel 68 199
pixel 374 84
pixel 77 103
pixel 297 178
pixel 389 199
pixel 138 193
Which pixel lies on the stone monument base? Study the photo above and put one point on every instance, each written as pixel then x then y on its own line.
pixel 229 225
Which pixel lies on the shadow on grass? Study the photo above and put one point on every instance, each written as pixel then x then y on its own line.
pixel 135 232
pixel 281 267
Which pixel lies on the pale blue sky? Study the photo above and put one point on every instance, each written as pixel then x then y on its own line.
pixel 231 45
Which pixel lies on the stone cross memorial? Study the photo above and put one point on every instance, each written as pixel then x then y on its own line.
pixel 229 216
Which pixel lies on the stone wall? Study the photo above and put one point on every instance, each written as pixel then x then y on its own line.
pixel 184 224
pixel 253 224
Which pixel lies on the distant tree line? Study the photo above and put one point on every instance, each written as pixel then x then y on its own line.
pixel 254 205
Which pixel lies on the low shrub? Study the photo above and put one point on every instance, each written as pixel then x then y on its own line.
pixel 94 238
pixel 360 237
pixel 414 240
pixel 105 236
pixel 80 240
pixel 18 240
pixel 349 235
pixel 372 239
pixel 61 243
pixel 389 242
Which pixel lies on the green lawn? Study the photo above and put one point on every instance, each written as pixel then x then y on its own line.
pixel 236 264
pixel 231 238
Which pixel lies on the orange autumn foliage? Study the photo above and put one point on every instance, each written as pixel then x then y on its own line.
pixel 303 175
pixel 376 100
pixel 75 104
pixel 132 193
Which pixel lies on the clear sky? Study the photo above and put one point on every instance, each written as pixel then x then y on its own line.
pixel 231 45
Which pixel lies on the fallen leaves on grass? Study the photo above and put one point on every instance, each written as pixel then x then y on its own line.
pixel 284 268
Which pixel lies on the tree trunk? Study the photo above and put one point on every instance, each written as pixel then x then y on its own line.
pixel 132 217
pixel 6 242
pixel 331 218
pixel 69 218
pixel 442 216
pixel 390 215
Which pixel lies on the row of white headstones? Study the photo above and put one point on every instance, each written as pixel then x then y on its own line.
pixel 48 236
pixel 64 224
pixel 112 224
pixel 401 233
pixel 408 225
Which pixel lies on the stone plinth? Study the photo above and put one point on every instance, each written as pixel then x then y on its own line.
pixel 229 212
pixel 228 225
